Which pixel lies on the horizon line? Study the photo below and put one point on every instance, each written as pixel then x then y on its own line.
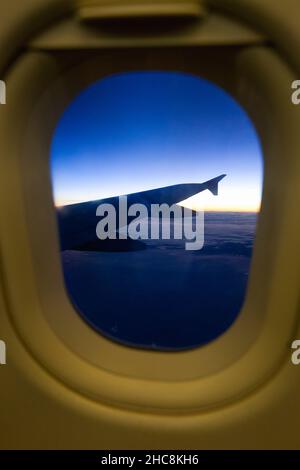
pixel 252 211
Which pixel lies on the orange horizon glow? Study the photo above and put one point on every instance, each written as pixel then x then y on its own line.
pixel 207 208
pixel 241 197
pixel 195 207
pixel 230 199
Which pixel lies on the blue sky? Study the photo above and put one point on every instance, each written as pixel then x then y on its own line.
pixel 136 131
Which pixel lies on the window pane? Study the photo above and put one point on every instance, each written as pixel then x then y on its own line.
pixel 131 133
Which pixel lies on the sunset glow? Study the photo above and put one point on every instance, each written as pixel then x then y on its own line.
pixel 138 131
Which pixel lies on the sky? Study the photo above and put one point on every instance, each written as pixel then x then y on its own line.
pixel 142 130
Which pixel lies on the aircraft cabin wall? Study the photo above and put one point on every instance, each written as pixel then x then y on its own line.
pixel 64 385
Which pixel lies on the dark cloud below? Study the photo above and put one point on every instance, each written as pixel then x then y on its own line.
pixel 162 296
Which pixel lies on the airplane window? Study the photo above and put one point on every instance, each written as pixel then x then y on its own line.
pixel 157 180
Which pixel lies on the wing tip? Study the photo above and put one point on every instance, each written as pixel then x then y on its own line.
pixel 213 185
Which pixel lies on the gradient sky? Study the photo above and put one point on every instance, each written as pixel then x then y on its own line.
pixel 142 130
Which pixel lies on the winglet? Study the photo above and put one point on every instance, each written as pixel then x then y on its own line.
pixel 213 185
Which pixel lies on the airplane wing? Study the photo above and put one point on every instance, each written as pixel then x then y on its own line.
pixel 77 222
